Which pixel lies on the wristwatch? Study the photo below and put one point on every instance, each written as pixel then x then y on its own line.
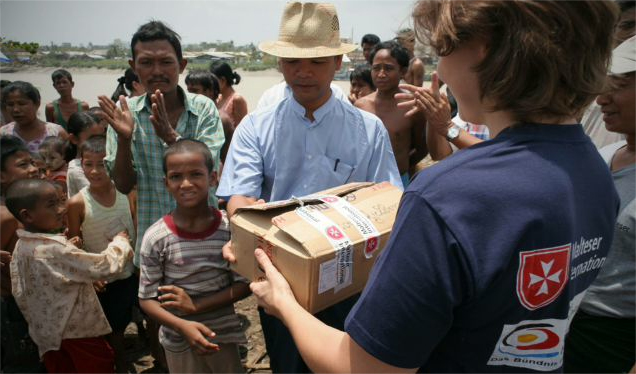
pixel 453 132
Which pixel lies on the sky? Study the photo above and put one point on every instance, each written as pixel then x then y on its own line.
pixel 243 21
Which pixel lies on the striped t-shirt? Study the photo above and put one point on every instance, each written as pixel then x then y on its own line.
pixel 193 262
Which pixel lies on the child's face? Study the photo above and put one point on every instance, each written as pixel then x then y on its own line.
pixel 96 129
pixel 360 88
pixel 18 166
pixel 48 213
pixel 53 159
pixel 63 85
pixel 95 169
pixel 188 179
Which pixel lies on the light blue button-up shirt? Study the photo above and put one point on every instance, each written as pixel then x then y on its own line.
pixel 277 152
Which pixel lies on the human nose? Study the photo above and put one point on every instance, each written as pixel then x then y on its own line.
pixel 304 69
pixel 32 171
pixel 604 99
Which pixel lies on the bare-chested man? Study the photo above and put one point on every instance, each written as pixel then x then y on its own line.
pixel 390 62
pixel 415 73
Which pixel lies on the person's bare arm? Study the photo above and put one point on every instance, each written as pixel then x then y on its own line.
pixel 419 148
pixel 49 113
pixel 324 349
pixel 195 333
pixel 239 108
pixel 8 226
pixel 75 214
pixel 175 297
pixel 121 120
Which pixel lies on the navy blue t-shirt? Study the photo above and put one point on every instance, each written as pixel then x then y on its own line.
pixel 490 254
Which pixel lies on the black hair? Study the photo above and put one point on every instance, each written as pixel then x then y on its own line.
pixel 4 83
pixel 9 146
pixel 223 70
pixel 77 123
pixel 156 30
pixel 399 53
pixel 626 4
pixel 25 88
pixel 24 194
pixel 206 79
pixel 363 73
pixel 125 82
pixel 189 146
pixel 370 39
pixel 59 145
pixel 61 73
pixel 94 144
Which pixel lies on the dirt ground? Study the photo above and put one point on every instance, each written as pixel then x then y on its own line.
pixel 253 354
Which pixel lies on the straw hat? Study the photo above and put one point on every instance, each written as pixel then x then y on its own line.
pixel 306 31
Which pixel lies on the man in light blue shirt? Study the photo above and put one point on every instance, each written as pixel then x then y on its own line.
pixel 307 142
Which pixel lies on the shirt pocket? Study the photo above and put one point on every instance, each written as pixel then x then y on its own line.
pixel 334 170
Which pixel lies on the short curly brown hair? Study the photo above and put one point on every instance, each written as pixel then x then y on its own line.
pixel 545 59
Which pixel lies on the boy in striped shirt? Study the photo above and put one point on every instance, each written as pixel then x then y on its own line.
pixel 185 284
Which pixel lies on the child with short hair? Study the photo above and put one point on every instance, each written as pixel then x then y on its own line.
pixel 96 213
pixel 54 150
pixel 19 352
pixel 185 284
pixel 361 83
pixel 52 282
pixel 81 126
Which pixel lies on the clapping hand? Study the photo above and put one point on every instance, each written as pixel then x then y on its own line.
pixel 429 101
pixel 119 118
pixel 160 119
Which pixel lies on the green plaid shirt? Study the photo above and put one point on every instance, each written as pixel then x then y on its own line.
pixel 200 120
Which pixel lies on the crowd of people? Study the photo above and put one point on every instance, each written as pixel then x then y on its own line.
pixel 515 251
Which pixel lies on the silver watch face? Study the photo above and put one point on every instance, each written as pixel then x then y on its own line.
pixel 453 132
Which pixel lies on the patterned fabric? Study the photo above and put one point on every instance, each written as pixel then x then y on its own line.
pixel 195 263
pixel 50 129
pixel 52 285
pixel 75 178
pixel 102 223
pixel 200 120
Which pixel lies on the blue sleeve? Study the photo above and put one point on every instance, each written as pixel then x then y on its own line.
pixel 243 169
pixel 382 166
pixel 407 306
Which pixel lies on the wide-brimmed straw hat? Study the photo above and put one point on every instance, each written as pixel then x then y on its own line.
pixel 308 30
pixel 624 57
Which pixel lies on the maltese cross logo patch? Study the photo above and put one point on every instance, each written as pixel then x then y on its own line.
pixel 542 275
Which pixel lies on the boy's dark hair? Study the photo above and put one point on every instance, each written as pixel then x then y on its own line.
pixel 363 73
pixel 61 73
pixel 24 194
pixel 57 144
pixel 25 88
pixel 10 145
pixel 370 39
pixel 224 70
pixel 94 144
pixel 202 77
pixel 156 30
pixel 4 83
pixel 189 146
pixel 399 53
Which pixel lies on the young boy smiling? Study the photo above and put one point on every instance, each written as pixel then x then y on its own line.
pixel 52 282
pixel 185 283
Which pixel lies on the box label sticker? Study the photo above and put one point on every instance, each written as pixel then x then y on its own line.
pixel 327 276
pixel 338 239
pixel 365 227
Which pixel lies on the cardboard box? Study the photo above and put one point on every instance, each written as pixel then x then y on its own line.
pixel 323 244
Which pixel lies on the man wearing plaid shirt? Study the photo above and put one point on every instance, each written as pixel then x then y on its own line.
pixel 142 127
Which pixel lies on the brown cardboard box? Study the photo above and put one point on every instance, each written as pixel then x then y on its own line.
pixel 323 245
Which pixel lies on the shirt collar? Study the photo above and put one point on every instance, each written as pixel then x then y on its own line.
pixel 143 102
pixel 319 113
pixel 60 238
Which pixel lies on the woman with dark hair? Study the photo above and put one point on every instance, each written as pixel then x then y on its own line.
pixel 22 101
pixel 128 85
pixel 229 101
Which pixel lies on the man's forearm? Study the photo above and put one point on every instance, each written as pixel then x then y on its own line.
pixel 123 172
